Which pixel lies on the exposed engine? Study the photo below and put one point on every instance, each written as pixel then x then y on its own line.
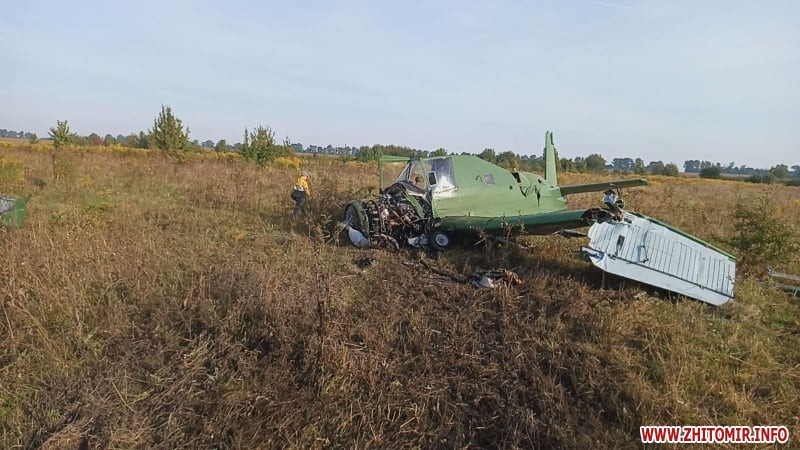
pixel 393 219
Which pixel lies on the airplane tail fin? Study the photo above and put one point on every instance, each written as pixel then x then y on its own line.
pixel 550 160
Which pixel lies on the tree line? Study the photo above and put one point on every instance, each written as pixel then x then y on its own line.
pixel 169 136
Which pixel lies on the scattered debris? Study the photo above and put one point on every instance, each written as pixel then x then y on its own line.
pixel 364 262
pixel 485 280
pixel 792 289
pixel 493 278
pixel 567 233
pixel 12 211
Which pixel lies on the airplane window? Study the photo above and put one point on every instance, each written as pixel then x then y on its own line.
pixel 443 170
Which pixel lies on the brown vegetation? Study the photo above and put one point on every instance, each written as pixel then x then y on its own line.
pixel 149 303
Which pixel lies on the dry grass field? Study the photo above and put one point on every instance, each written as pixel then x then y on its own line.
pixel 148 303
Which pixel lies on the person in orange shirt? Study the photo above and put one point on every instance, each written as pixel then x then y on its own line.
pixel 300 193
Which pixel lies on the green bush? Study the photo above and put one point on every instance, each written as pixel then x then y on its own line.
pixel 711 172
pixel 761 237
pixel 764 178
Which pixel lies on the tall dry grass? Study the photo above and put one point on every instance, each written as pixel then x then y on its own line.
pixel 150 303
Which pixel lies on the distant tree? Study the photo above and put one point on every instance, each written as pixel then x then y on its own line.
pixel 566 165
pixel 507 159
pixel 656 167
pixel 130 140
pixel 61 134
pixel 221 146
pixel 691 166
pixel 33 138
pixel 143 140
pixel 488 155
pixel 713 172
pixel 95 139
pixel 261 147
pixel 639 167
pixel 780 171
pixel 623 164
pixel 208 144
pixel 167 133
pixel 595 163
pixel 438 152
pixel 109 140
pixel 796 171
pixel 670 170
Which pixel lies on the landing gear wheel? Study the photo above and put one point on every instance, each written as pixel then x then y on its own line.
pixel 440 240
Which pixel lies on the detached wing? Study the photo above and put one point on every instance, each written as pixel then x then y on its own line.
pixel 603 186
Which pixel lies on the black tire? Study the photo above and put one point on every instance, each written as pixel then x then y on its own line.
pixel 440 240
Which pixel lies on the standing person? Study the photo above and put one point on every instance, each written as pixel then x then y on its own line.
pixel 300 193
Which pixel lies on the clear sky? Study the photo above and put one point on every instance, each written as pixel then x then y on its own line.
pixel 663 80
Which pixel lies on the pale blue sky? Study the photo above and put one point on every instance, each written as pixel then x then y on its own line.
pixel 661 80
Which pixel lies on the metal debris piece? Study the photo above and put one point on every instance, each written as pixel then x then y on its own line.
pixel 12 211
pixel 364 262
pixel 485 280
pixel 786 276
pixel 647 250
pixel 494 278
pixel 794 290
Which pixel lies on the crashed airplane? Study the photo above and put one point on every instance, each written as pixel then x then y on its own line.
pixel 434 200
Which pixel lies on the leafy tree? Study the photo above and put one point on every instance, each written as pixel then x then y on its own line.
pixel 488 155
pixel 259 145
pixel 167 133
pixel 761 236
pixel 796 171
pixel 33 138
pixel 670 170
pixel 61 134
pixel 95 139
pixel 713 172
pixel 438 152
pixel 595 163
pixel 623 163
pixel 142 140
pixel 221 146
pixel 691 166
pixel 780 171
pixel 639 167
pixel 656 167
pixel 763 178
pixel 507 159
pixel 566 165
pixel 130 140
pixel 109 139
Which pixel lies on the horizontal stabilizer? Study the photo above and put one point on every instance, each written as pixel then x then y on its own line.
pixel 599 187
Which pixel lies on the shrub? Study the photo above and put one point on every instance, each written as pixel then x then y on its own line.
pixel 714 172
pixel 288 162
pixel 761 237
pixel 764 178
pixel 11 171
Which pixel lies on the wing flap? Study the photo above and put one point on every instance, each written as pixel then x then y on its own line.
pixel 651 252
